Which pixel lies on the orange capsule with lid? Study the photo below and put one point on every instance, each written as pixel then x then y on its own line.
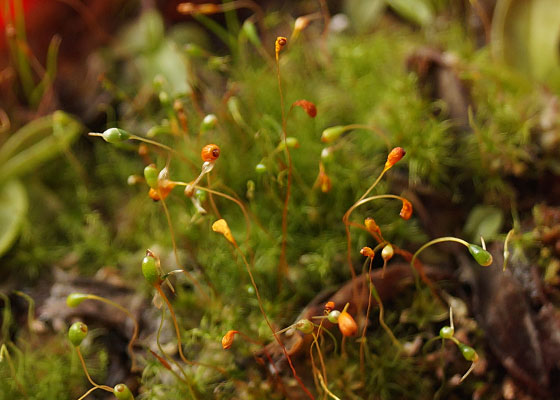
pixel 210 153
pixel 394 157
pixel 406 210
pixel 346 324
pixel 227 340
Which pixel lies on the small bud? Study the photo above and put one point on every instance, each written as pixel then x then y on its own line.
pixel 115 135
pixel 150 269
pixel 77 333
pixel 208 123
pixel 346 324
pixel 323 180
pixel 468 352
pixel 260 168
pixel 446 332
pixel 394 157
pixel 406 210
pixel 221 226
pixel 227 340
pixel 305 326
pixel 327 155
pixel 307 106
pixel 151 176
pixel 291 142
pixel 122 392
pixel 387 252
pixel 333 316
pixel 367 252
pixel 481 256
pixel 75 299
pixel 164 99
pixel 331 134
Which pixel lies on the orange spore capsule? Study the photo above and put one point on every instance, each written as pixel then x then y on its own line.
pixel 227 340
pixel 307 106
pixel 281 41
pixel 346 324
pixel 329 307
pixel 394 157
pixel 210 152
pixel 367 252
pixel 164 190
pixel 406 210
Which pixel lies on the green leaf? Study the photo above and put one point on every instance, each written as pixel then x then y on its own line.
pixel 37 142
pixel 418 11
pixel 526 35
pixel 485 221
pixel 13 208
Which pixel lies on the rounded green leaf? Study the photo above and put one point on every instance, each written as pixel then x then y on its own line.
pixel 13 208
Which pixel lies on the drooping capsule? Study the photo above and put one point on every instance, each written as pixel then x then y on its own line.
pixel 227 340
pixel 75 299
pixel 483 257
pixel 150 269
pixel 115 135
pixel 122 392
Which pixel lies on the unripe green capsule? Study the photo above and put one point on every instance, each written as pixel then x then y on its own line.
pixel 260 168
pixel 446 332
pixel 333 316
pixel 481 256
pixel 209 122
pixel 201 195
pixel 122 392
pixel 115 135
pixel 194 50
pixel 77 333
pixel 75 299
pixel 332 133
pixel 151 176
pixel 291 142
pixel 164 99
pixel 150 270
pixel 305 326
pixel 327 155
pixel 468 352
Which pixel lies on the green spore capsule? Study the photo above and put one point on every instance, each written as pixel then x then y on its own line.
pixel 75 299
pixel 481 256
pixel 201 195
pixel 122 392
pixel 150 270
pixel 209 122
pixel 305 326
pixel 260 168
pixel 446 332
pixel 332 133
pixel 77 333
pixel 333 316
pixel 115 135
pixel 151 176
pixel 468 352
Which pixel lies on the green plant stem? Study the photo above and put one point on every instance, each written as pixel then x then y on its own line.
pixel 169 359
pixel 283 265
pixel 259 301
pixel 134 332
pixel 176 253
pixel 5 353
pixel 95 385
